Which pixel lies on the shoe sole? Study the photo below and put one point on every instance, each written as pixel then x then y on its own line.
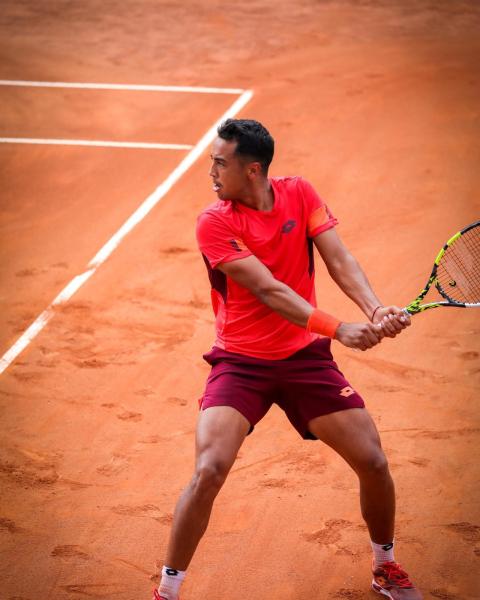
pixel 380 590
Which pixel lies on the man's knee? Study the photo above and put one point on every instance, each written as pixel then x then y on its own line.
pixel 373 463
pixel 209 477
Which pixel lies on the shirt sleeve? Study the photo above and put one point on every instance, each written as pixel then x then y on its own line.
pixel 217 241
pixel 319 216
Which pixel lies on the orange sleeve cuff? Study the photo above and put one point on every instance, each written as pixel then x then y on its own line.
pixel 317 218
pixel 323 323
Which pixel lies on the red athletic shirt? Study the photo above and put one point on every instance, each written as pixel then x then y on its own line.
pixel 282 240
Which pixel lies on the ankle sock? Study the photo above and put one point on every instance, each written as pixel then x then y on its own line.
pixel 170 583
pixel 382 553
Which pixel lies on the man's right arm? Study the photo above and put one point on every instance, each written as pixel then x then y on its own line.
pixel 252 274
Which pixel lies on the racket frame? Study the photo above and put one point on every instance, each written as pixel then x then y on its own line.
pixel 415 307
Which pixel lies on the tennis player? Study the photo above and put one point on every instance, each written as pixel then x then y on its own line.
pixel 273 345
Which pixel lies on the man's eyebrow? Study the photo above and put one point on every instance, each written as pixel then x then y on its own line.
pixel 217 158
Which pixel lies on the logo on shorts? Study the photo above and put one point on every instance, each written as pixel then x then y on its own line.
pixel 347 391
pixel 288 226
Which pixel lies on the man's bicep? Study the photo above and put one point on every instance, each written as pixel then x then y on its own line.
pixel 248 272
pixel 330 247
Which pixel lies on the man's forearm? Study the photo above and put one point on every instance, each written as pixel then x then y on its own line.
pixel 351 279
pixel 283 300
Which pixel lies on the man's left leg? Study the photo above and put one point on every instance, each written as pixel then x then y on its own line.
pixel 353 435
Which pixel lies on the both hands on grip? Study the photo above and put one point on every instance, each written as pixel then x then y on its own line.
pixel 388 321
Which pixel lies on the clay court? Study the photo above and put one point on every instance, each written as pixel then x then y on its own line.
pixel 377 104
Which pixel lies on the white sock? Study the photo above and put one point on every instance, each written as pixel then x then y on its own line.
pixel 170 583
pixel 382 553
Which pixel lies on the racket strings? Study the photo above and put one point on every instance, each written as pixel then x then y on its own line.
pixel 458 273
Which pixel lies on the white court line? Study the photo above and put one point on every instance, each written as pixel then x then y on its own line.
pixel 142 211
pixel 100 143
pixel 121 86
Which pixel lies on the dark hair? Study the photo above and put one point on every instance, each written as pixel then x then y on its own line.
pixel 253 140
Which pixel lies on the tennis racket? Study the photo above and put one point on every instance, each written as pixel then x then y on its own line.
pixel 455 274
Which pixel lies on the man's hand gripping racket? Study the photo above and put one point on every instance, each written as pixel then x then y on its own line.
pixel 455 273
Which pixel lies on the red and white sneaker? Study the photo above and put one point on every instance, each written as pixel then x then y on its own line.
pixel 156 596
pixel 390 580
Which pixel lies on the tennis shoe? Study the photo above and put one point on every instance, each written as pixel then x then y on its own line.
pixel 390 580
pixel 156 596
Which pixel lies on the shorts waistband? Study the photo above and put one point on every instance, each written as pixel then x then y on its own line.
pixel 318 350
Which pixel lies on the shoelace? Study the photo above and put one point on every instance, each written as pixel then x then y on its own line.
pixel 396 575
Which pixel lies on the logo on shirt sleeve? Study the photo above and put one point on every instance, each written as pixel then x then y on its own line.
pixel 237 245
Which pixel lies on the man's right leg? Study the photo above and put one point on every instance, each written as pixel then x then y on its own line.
pixel 220 433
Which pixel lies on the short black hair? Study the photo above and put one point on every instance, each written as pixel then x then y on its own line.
pixel 253 140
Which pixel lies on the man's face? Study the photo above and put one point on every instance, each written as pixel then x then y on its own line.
pixel 228 171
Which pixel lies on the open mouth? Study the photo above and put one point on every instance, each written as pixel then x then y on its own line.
pixel 216 187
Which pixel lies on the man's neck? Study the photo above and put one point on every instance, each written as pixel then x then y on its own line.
pixel 261 198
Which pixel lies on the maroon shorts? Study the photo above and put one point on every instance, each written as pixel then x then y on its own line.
pixel 305 385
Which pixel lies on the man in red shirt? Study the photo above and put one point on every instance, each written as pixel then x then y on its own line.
pixel 273 344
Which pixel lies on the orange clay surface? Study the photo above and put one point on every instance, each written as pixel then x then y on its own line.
pixel 377 104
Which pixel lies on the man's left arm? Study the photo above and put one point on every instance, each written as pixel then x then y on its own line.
pixel 345 270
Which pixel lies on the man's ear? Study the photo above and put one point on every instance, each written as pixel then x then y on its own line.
pixel 254 170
